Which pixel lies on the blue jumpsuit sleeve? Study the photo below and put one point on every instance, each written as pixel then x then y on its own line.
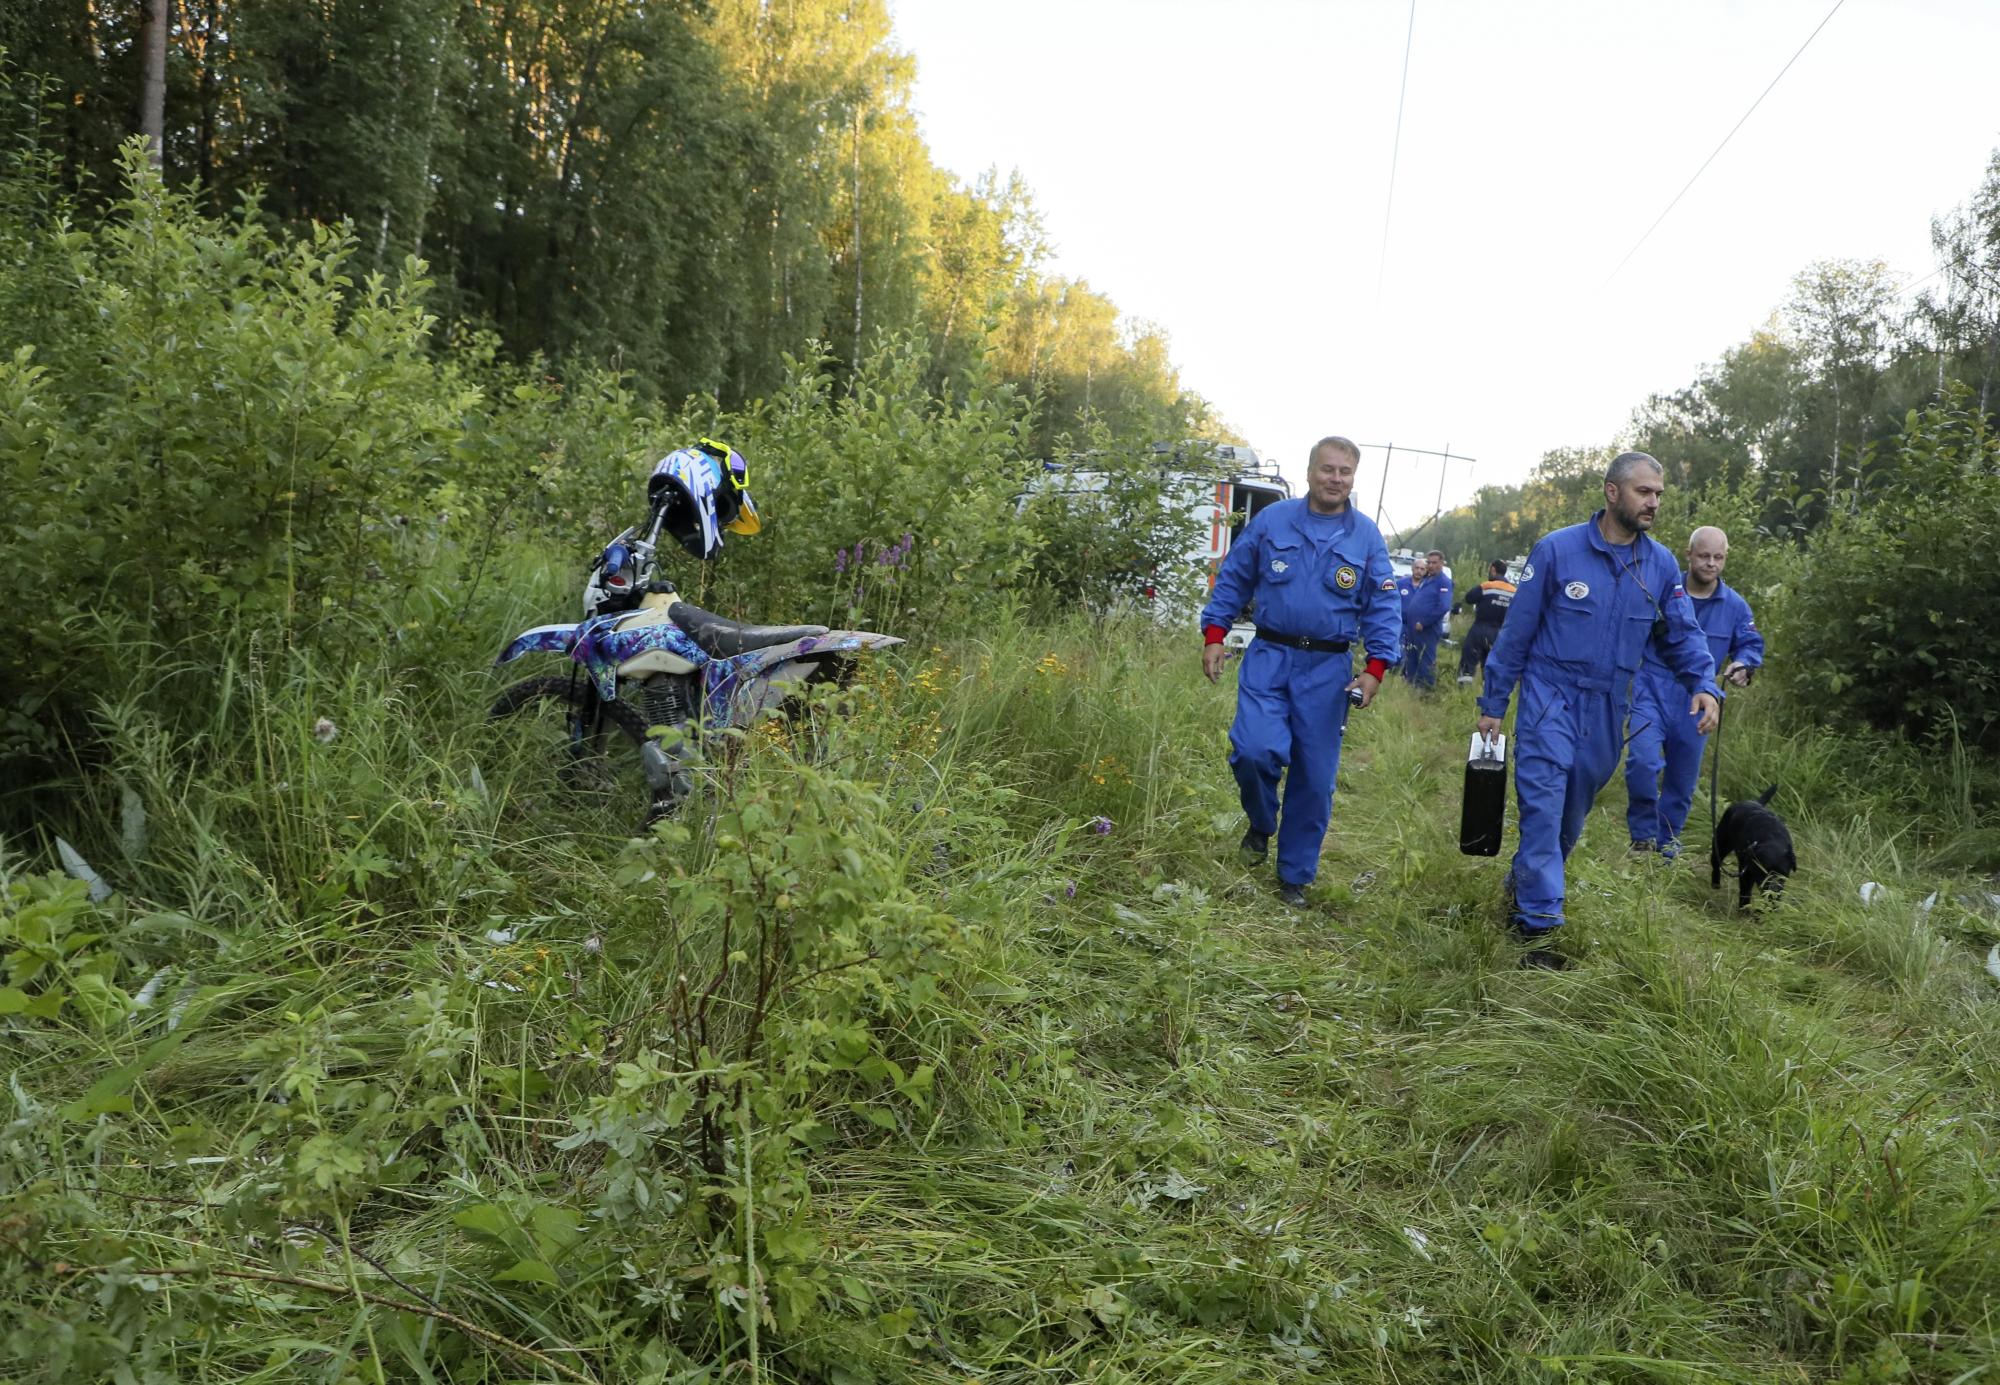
pixel 1382 611
pixel 1746 641
pixel 1430 605
pixel 1236 579
pixel 1683 646
pixel 1509 655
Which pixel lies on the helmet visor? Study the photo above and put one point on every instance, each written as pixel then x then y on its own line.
pixel 746 521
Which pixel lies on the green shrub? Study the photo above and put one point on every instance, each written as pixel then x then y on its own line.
pixel 1892 624
pixel 217 429
pixel 1117 530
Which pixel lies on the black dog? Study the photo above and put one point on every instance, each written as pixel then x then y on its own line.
pixel 1761 844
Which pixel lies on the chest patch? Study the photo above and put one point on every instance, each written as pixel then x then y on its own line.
pixel 1576 591
pixel 1345 578
pixel 1280 565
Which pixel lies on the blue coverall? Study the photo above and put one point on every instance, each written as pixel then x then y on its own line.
pixel 1428 604
pixel 1582 617
pixel 1317 577
pixel 1663 759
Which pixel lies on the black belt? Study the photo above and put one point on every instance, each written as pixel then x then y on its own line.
pixel 1311 646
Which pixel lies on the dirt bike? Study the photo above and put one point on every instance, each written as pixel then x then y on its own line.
pixel 650 672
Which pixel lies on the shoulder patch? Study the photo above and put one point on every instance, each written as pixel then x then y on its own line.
pixel 1388 584
pixel 1528 572
pixel 1577 591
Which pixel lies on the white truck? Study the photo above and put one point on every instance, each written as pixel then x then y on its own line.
pixel 1250 484
pixel 1220 485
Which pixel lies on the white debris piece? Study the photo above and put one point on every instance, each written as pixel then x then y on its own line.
pixel 131 824
pixel 1870 891
pixel 182 999
pixel 79 869
pixel 150 992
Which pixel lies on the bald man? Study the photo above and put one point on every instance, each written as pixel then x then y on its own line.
pixel 1663 759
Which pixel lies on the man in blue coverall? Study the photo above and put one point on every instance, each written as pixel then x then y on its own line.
pixel 1442 571
pixel 1406 587
pixel 1319 574
pixel 1663 760
pixel 1424 613
pixel 1592 600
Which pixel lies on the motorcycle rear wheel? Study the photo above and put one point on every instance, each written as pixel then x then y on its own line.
pixel 604 748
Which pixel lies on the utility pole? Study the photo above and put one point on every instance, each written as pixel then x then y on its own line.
pixel 1388 457
pixel 1444 465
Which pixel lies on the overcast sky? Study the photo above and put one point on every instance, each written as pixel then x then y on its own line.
pixel 1223 169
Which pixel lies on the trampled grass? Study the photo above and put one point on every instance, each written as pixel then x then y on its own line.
pixel 416 1097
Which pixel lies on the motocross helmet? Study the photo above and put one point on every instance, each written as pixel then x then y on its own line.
pixel 704 490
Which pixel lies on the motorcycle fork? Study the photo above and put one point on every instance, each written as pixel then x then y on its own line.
pixel 586 723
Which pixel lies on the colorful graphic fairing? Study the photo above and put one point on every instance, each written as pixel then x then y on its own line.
pixel 599 646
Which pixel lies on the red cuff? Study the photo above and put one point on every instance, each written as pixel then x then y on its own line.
pixel 1212 634
pixel 1377 668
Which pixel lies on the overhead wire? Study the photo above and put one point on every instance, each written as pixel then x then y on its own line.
pixel 1725 142
pixel 1395 153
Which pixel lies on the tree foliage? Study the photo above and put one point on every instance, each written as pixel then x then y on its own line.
pixel 688 192
pixel 1839 446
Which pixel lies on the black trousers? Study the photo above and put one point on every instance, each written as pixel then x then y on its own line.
pixel 1478 644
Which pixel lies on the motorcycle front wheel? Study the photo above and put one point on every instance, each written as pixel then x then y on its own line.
pixel 600 750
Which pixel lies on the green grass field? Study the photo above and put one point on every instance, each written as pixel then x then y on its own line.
pixel 955 1046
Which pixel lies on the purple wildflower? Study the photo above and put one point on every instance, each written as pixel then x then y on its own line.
pixel 1069 889
pixel 839 561
pixel 1101 826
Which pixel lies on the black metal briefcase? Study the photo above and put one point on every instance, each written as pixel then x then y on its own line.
pixel 1484 810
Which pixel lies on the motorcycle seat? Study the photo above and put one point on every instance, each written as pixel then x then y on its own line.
pixel 723 638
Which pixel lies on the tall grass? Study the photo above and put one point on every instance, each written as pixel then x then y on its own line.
pixel 1051 1088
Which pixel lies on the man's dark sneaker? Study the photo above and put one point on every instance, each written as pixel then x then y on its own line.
pixel 1292 895
pixel 1544 959
pixel 1538 955
pixel 1645 848
pixel 1254 847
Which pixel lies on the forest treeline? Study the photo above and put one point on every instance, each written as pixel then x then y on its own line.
pixel 1848 446
pixel 687 192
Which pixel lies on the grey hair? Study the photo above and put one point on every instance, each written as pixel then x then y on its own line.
pixel 1625 463
pixel 1338 444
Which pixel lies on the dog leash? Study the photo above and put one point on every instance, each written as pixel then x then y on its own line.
pixel 1715 774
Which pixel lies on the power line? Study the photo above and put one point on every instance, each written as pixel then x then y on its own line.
pixel 1911 288
pixel 1395 151
pixel 1725 141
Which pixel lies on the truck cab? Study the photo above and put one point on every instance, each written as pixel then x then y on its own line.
pixel 1248 484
